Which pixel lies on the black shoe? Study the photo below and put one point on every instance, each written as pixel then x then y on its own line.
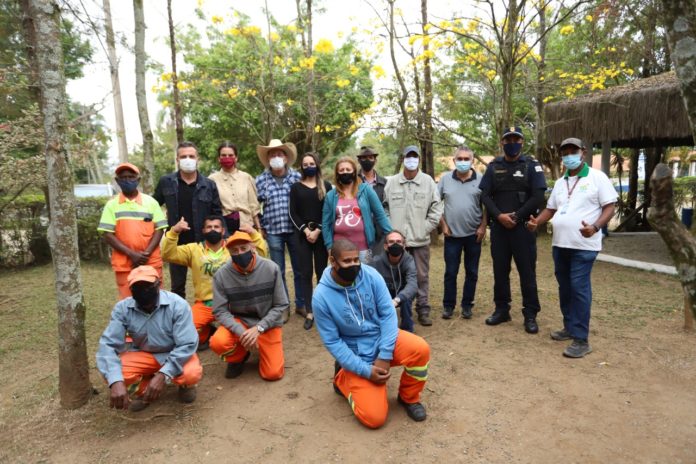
pixel 187 394
pixel 561 335
pixel 424 320
pixel 577 349
pixel 498 317
pixel 415 411
pixel 204 346
pixel 466 312
pixel 447 313
pixel 308 323
pixel 530 325
pixel 234 370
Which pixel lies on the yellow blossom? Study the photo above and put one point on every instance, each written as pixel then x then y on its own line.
pixel 354 70
pixel 342 83
pixel 589 18
pixel 295 69
pixel 292 28
pixel 251 92
pixel 216 19
pixel 166 77
pixel 317 128
pixel 566 30
pixel 233 31
pixel 277 60
pixel 308 62
pixel 165 103
pixel 490 74
pixel 324 46
pixel 340 34
pixel 378 71
pixel 181 85
pixel 215 82
pixel 289 101
pixel 547 99
pixel 233 92
pixel 251 30
pixel 274 37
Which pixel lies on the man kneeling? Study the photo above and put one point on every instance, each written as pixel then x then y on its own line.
pixel 248 301
pixel 356 320
pixel 163 349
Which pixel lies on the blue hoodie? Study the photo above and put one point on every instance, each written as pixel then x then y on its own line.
pixel 357 324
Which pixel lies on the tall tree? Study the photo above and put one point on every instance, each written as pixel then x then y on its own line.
pixel 141 97
pixel 115 83
pixel 426 112
pixel 178 120
pixel 73 368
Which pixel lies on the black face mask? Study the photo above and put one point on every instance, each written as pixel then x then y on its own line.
pixel 243 259
pixel 349 274
pixel 213 237
pixel 395 250
pixel 145 295
pixel 366 164
pixel 127 186
pixel 346 178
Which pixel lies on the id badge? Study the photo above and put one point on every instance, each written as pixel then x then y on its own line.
pixel 564 208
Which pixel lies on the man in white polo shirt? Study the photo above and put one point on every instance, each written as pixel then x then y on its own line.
pixel 581 203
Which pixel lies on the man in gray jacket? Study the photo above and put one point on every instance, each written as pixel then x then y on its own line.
pixel 412 202
pixel 398 269
pixel 248 301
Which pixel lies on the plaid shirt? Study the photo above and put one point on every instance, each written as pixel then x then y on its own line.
pixel 276 201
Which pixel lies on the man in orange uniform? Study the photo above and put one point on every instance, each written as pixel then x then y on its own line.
pixel 133 224
pixel 248 301
pixel 356 320
pixel 163 349
pixel 204 258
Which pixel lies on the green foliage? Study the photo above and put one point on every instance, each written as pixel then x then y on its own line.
pixel 684 193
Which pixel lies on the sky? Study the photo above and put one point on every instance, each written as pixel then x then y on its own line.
pixel 338 18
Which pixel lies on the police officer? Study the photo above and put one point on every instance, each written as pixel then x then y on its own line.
pixel 511 189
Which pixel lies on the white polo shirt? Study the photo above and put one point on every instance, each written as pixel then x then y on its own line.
pixel 576 199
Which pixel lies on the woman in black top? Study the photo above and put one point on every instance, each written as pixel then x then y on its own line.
pixel 306 203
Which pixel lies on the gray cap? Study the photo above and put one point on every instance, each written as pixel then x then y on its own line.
pixel 572 141
pixel 412 148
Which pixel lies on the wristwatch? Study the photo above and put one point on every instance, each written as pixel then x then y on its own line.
pixel 260 329
pixel 596 227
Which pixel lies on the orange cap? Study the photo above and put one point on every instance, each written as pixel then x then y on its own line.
pixel 238 236
pixel 143 274
pixel 130 166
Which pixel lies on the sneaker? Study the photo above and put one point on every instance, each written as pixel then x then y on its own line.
pixel 415 411
pixel 424 320
pixel 137 405
pixel 234 370
pixel 466 312
pixel 447 313
pixel 577 349
pixel 560 335
pixel 187 394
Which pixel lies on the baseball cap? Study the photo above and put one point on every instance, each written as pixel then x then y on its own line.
pixel 367 151
pixel 143 274
pixel 238 236
pixel 412 149
pixel 512 130
pixel 572 141
pixel 130 166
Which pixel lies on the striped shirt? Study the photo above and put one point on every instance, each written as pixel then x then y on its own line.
pixel 133 222
pixel 276 201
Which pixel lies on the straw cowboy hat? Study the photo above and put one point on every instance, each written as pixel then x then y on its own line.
pixel 287 147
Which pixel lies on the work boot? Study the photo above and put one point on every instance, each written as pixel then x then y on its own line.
pixel 530 325
pixel 498 317
pixel 415 411
pixel 447 313
pixel 466 312
pixel 187 394
pixel 560 335
pixel 234 370
pixel 424 320
pixel 137 405
pixel 577 349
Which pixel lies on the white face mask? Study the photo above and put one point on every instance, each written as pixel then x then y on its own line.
pixel 187 165
pixel 411 163
pixel 277 162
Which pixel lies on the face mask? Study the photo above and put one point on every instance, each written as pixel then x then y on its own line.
pixel 395 250
pixel 187 164
pixel 145 295
pixel 310 171
pixel 243 259
pixel 512 149
pixel 366 164
pixel 228 162
pixel 277 162
pixel 213 237
pixel 572 161
pixel 349 274
pixel 346 178
pixel 127 186
pixel 411 164
pixel 462 166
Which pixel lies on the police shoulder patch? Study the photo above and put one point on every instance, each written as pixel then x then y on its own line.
pixel 538 168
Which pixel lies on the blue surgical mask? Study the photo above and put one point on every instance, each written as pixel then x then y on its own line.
pixel 512 149
pixel 462 166
pixel 572 161
pixel 127 186
pixel 310 171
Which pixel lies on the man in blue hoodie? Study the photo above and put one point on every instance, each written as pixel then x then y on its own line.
pixel 356 320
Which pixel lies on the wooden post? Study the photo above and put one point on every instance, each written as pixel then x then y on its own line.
pixel 606 157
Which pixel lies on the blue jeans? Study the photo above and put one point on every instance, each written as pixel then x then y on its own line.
pixel 453 256
pixel 276 245
pixel 573 269
pixel 406 317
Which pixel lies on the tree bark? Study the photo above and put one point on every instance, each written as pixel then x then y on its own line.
pixel 73 369
pixel 178 120
pixel 632 200
pixel 428 133
pixel 679 241
pixel 115 84
pixel 304 19
pixel 507 65
pixel 403 94
pixel 141 98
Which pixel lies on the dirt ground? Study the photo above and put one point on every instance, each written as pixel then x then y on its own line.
pixel 647 247
pixel 494 394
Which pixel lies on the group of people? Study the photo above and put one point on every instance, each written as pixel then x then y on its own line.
pixel 365 238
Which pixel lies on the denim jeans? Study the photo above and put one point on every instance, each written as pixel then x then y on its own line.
pixel 573 268
pixel 453 256
pixel 406 316
pixel 276 246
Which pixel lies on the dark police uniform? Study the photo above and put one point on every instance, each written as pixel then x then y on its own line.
pixel 513 187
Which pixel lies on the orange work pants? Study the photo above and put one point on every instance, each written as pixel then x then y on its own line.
pixel 271 359
pixel 138 367
pixel 202 318
pixel 122 283
pixel 369 400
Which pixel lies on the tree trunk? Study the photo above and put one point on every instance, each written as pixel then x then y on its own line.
pixel 304 19
pixel 73 368
pixel 679 241
pixel 632 200
pixel 141 98
pixel 652 158
pixel 178 121
pixel 507 58
pixel 115 84
pixel 428 132
pixel 403 94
